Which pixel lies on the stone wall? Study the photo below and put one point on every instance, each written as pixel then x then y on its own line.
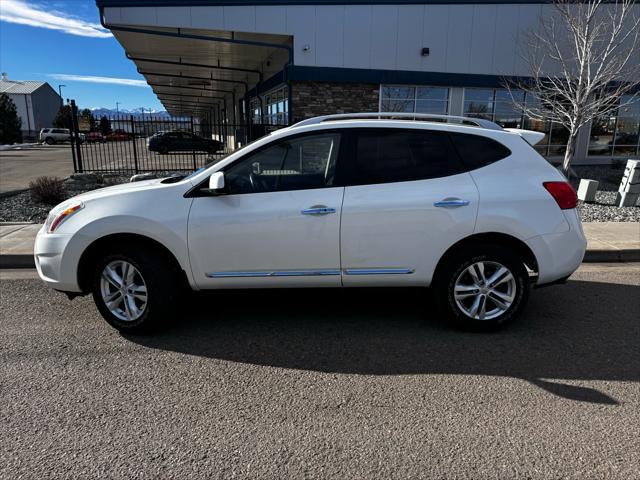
pixel 310 99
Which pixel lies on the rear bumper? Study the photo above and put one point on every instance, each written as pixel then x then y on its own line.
pixel 559 254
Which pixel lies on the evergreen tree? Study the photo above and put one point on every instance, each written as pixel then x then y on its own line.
pixel 63 117
pixel 90 119
pixel 105 126
pixel 10 123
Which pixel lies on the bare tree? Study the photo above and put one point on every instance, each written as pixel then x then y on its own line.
pixel 582 59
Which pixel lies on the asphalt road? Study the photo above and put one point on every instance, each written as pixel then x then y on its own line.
pixel 324 384
pixel 19 166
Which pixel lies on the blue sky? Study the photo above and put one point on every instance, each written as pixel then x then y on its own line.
pixel 62 42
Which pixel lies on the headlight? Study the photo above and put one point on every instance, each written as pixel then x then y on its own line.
pixel 60 214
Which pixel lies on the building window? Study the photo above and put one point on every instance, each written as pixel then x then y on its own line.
pixel 276 108
pixel 497 105
pixel 414 99
pixel 617 134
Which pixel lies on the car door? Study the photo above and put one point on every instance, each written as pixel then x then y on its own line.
pixel 278 221
pixel 407 200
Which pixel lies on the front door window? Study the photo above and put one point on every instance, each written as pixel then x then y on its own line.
pixel 297 164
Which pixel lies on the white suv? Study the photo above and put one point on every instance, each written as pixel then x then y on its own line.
pixel 51 136
pixel 375 200
pixel 54 135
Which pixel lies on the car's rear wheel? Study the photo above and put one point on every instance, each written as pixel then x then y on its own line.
pixel 482 287
pixel 49 141
pixel 134 291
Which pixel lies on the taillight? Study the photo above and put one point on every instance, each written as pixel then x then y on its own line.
pixel 563 193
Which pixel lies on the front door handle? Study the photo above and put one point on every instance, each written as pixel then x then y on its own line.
pixel 451 203
pixel 318 210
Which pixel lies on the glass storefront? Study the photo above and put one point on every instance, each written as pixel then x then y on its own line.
pixel 497 105
pixel 276 108
pixel 414 99
pixel 617 134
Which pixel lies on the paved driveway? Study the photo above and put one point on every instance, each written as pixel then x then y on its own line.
pixel 19 167
pixel 324 384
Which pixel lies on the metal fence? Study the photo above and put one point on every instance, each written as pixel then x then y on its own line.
pixel 124 143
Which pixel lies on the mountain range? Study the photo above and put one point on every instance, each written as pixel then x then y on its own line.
pixel 136 112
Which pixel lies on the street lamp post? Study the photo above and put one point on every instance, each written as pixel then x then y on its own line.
pixel 60 92
pixel 117 109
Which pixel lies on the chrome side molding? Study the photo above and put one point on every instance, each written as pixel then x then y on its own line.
pixel 273 273
pixel 312 273
pixel 378 271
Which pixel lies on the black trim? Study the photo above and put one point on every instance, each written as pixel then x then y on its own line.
pixel 221 3
pixel 277 80
pixel 363 75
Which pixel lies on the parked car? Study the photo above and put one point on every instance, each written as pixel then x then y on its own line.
pixel 176 141
pixel 463 206
pixel 51 136
pixel 96 137
pixel 119 135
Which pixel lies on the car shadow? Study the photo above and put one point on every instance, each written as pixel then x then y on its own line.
pixel 580 331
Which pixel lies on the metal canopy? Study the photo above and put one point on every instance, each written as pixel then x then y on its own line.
pixel 218 63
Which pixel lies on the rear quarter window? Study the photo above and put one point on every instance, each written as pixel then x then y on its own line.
pixel 477 151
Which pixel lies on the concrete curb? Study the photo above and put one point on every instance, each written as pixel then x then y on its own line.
pixel 17 261
pixel 592 256
pixel 600 256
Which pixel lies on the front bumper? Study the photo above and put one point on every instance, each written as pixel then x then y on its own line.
pixel 56 257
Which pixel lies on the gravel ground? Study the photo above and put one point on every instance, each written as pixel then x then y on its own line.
pixel 20 207
pixel 605 210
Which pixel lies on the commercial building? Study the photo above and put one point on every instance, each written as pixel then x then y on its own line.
pixel 264 63
pixel 37 104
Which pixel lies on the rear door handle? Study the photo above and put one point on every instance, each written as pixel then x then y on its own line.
pixel 451 203
pixel 318 210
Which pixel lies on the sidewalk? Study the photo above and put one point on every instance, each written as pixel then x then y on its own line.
pixel 608 242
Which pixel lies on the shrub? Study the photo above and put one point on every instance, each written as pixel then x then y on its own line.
pixel 47 190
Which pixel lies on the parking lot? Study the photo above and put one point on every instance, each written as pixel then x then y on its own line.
pixel 19 166
pixel 324 384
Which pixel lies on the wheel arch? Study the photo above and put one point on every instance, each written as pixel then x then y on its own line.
pixel 495 239
pixel 90 255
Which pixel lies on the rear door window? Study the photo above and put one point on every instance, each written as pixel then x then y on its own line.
pixel 397 155
pixel 477 151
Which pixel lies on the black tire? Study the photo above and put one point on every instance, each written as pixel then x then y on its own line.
pixel 163 288
pixel 49 141
pixel 163 149
pixel 455 268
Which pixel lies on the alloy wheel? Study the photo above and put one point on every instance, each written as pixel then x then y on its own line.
pixel 485 290
pixel 124 291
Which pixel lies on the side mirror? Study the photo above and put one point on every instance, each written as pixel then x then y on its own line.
pixel 216 182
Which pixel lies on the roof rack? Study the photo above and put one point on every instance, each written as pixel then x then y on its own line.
pixel 475 122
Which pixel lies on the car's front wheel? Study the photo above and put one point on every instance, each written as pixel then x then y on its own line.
pixel 49 141
pixel 134 291
pixel 482 287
